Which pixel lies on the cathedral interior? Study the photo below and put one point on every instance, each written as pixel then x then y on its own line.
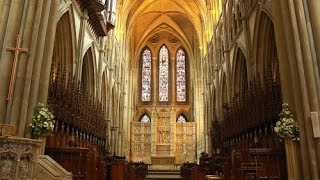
pixel 203 89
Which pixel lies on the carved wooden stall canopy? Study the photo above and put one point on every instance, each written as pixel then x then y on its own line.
pixel 244 140
pixel 249 119
pixel 79 129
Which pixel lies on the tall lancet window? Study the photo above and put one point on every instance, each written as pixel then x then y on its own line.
pixel 163 74
pixel 146 76
pixel 181 75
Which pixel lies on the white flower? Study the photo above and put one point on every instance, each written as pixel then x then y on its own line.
pixel 287 126
pixel 42 122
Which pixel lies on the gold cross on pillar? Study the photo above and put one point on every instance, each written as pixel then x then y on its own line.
pixel 16 53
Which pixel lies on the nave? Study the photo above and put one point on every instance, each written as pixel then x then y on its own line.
pixel 136 89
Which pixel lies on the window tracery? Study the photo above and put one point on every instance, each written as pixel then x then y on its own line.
pixel 146 76
pixel 163 74
pixel 181 76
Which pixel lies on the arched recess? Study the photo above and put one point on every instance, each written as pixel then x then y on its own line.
pixel 87 75
pixel 145 118
pixel 63 51
pixel 181 118
pixel 240 74
pixel 266 52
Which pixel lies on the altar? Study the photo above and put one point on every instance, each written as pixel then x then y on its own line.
pixel 163 141
pixel 163 160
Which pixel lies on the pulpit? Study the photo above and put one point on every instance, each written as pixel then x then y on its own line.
pixel 18 157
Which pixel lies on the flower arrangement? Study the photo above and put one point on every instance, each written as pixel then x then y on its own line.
pixel 287 126
pixel 42 121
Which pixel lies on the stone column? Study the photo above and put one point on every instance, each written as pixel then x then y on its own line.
pixel 120 137
pixel 172 133
pixel 314 10
pixel 309 82
pixel 172 80
pixel 154 81
pixel 113 139
pixel 154 119
pixel 100 70
pixel 83 24
pixel 297 78
pixel 35 21
pixel 108 134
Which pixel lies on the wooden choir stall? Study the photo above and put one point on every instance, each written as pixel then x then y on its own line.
pixel 79 138
pixel 243 143
pixel 119 169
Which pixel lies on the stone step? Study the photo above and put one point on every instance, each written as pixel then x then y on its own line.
pixel 163 172
pixel 163 175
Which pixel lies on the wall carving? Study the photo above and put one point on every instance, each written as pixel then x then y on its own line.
pixel 18 157
pixel 163 140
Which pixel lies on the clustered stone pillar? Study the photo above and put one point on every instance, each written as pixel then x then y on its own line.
pixel 298 82
pixel 35 22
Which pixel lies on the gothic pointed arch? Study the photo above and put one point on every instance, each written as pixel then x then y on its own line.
pixel 266 51
pixel 63 51
pixel 87 76
pixel 145 118
pixel 240 74
pixel 163 73
pixel 181 119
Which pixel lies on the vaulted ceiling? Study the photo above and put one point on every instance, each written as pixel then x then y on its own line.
pixel 143 20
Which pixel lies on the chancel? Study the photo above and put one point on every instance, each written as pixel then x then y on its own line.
pixel 161 89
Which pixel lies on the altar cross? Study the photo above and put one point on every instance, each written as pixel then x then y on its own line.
pixel 16 53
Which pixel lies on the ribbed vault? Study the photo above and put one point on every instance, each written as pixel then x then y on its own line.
pixel 143 19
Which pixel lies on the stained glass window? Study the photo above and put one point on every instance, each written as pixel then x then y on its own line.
pixel 163 74
pixel 146 75
pixel 182 119
pixel 181 75
pixel 145 119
